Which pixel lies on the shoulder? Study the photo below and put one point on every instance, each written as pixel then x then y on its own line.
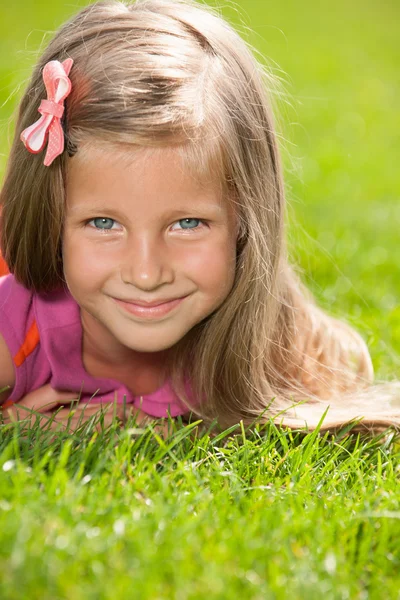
pixel 15 306
pixel 12 292
pixel 15 312
pixel 23 319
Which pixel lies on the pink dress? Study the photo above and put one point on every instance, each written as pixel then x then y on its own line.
pixel 44 335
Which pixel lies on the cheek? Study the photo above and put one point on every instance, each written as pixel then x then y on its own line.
pixel 214 266
pixel 81 261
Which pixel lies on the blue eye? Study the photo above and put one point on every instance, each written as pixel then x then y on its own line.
pixel 106 224
pixel 190 219
pixel 103 221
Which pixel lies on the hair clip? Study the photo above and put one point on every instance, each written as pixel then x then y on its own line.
pixel 58 86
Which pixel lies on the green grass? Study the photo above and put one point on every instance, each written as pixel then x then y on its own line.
pixel 260 514
pixel 249 514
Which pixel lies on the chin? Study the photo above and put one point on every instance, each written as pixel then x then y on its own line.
pixel 148 346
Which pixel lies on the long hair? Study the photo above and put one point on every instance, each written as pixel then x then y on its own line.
pixel 158 73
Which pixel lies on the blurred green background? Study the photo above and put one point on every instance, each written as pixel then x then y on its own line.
pixel 338 123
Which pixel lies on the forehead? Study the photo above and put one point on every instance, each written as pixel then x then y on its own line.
pixel 167 173
pixel 98 163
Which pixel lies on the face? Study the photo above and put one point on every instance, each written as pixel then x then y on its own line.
pixel 144 229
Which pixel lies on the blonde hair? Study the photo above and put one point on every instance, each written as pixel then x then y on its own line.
pixel 173 73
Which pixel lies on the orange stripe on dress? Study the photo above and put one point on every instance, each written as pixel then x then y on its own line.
pixel 3 267
pixel 7 404
pixel 30 343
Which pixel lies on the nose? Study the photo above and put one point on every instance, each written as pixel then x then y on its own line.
pixel 147 264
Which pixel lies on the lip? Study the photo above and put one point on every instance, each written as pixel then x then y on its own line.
pixel 149 312
pixel 149 304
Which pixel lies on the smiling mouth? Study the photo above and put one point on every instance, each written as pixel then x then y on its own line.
pixel 149 312
pixel 150 304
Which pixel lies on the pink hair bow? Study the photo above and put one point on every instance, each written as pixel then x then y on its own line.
pixel 58 86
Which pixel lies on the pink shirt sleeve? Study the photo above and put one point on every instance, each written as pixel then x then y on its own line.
pixel 19 330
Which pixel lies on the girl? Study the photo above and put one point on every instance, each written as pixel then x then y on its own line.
pixel 153 177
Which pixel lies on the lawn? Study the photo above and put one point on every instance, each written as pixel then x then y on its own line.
pixel 247 514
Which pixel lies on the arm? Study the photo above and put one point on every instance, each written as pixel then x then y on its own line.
pixel 46 400
pixel 43 400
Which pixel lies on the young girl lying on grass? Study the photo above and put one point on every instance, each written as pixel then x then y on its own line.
pixel 143 226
